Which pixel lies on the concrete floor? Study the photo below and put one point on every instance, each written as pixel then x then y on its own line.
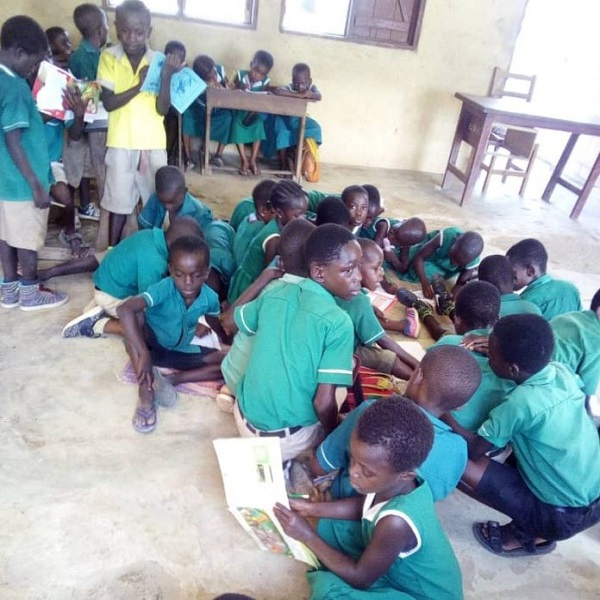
pixel 91 510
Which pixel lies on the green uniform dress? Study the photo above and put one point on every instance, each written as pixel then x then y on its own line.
pixel 577 345
pixel 248 229
pixel 219 237
pixel 491 391
pixel 429 571
pixel 553 296
pixel 513 304
pixel 154 213
pixel 243 208
pixel 301 339
pixel 248 127
pixel 253 262
pixel 553 438
pixel 371 231
pixel 367 328
pixel 439 262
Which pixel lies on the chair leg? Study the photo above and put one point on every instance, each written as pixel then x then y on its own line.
pixel 489 170
pixel 528 170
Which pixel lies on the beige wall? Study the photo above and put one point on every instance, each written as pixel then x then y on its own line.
pixel 382 106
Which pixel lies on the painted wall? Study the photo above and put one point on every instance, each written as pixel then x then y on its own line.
pixel 381 106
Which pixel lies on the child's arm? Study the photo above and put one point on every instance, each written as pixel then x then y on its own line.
pixel 477 445
pixel 389 324
pixel 114 101
pixel 418 262
pixel 41 198
pixel 271 250
pixel 382 228
pixel 326 406
pixel 129 314
pixel 392 536
pixel 171 65
pixel 311 94
pixel 387 343
pixel 75 102
pixel 465 276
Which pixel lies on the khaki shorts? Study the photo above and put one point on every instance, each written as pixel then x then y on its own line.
pixel 106 302
pixel 77 161
pixel 22 225
pixel 58 172
pixel 376 358
pixel 129 177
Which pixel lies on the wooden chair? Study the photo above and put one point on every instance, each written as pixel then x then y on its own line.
pixel 516 152
pixel 501 85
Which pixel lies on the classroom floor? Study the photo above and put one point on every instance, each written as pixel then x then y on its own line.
pixel 89 509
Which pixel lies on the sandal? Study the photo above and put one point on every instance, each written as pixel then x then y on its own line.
pixel 217 161
pixel 148 417
pixel 75 243
pixel 165 393
pixel 492 542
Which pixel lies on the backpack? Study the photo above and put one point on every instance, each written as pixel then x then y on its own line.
pixel 310 167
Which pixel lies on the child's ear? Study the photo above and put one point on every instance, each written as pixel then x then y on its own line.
pixel 530 271
pixel 381 210
pixel 317 273
pixel 407 475
pixel 513 370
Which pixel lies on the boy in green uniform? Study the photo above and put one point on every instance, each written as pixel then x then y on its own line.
pixel 497 270
pixel 577 344
pixel 553 296
pixel 386 542
pixel 553 492
pixel 302 347
pixel 25 168
pixel 171 310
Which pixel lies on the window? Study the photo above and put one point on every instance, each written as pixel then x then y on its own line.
pixel 394 23
pixel 241 13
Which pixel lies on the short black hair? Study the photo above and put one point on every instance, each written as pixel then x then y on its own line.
pixel 134 6
pixel 401 428
pixel 85 17
pixel 264 58
pixel 261 194
pixel 469 245
pixel 169 178
pixel 291 246
pixel 411 231
pixel 175 46
pixel 525 340
pixel 452 374
pixel 374 196
pixel 529 252
pixel 190 244
pixel 595 301
pixel 24 33
pixel 497 270
pixel 369 246
pixel 52 33
pixel 353 189
pixel 478 305
pixel 182 227
pixel 325 244
pixel 203 65
pixel 300 68
pixel 332 210
pixel 285 193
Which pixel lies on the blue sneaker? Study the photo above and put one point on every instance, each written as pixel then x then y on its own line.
pixel 9 292
pixel 83 325
pixel 37 297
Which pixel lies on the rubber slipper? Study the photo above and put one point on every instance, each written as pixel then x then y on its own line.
pixel 243 172
pixel 493 543
pixel 217 161
pixel 149 419
pixel 165 394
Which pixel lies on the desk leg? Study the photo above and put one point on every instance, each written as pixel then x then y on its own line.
pixel 560 165
pixel 587 189
pixel 206 168
pixel 476 159
pixel 298 162
pixel 458 137
pixel 179 143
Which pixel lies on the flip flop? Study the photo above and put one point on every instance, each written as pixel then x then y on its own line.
pixel 243 172
pixel 165 394
pixel 493 543
pixel 149 419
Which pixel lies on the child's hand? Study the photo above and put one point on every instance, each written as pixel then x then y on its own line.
pixel 73 99
pixel 428 290
pixel 293 524
pixel 202 330
pixel 143 73
pixel 227 321
pixel 41 198
pixel 172 64
pixel 302 507
pixel 476 343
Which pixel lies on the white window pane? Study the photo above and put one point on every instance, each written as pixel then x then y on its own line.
pixel 163 7
pixel 325 17
pixel 237 12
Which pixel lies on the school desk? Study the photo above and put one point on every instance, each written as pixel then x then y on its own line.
pixel 260 102
pixel 479 113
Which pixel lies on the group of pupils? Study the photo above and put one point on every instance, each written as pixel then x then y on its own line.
pixel 285 282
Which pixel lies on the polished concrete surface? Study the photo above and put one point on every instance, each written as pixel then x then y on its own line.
pixel 89 509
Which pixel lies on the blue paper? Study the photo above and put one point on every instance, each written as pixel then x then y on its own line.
pixel 186 86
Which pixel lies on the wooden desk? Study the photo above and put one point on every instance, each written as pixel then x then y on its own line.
pixel 474 125
pixel 256 102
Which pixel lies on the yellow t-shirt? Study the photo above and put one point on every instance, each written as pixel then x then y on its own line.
pixel 137 125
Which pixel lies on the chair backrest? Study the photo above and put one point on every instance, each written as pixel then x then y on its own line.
pixel 519 142
pixel 515 85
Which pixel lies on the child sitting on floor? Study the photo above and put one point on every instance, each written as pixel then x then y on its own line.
pixel 289 202
pixel 160 325
pixel 356 199
pixel 553 492
pixel 388 542
pixel 248 127
pixel 332 210
pixel 446 378
pixel 401 237
pixel 553 296
pixel 497 270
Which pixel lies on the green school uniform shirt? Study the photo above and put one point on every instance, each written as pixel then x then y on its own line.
pixel 314 199
pixel 18 111
pixel 244 208
pixel 491 391
pixel 554 440
pixel 248 229
pixel 219 237
pixel 367 329
pixel 83 63
pixel 577 345
pixel 513 304
pixel 429 571
pixel 301 339
pixel 153 214
pixel 133 264
pixel 371 231
pixel 553 296
pixel 172 321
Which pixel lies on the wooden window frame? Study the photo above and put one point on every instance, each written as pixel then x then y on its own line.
pixel 180 16
pixel 416 20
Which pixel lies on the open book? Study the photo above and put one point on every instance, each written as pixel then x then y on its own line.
pixel 253 480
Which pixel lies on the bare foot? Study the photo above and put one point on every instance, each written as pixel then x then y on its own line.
pixel 243 170
pixel 254 168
